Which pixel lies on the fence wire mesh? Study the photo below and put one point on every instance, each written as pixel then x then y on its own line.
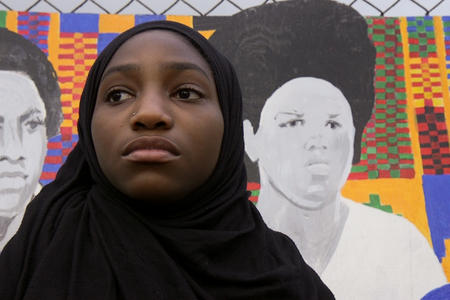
pixel 216 7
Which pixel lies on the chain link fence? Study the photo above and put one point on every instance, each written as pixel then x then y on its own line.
pixel 217 7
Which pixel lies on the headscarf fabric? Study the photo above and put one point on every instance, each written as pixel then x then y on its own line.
pixel 83 239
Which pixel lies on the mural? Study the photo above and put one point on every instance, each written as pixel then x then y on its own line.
pixel 346 131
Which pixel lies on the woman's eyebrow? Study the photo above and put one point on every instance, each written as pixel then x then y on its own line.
pixel 295 114
pixel 181 66
pixel 121 68
pixel 30 112
pixel 332 116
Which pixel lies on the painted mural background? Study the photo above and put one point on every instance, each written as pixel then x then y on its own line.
pixel 405 157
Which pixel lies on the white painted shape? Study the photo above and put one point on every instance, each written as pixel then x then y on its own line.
pixel 365 9
pixel 442 10
pixel 405 8
pixel 381 256
pixel 43 6
pixel 19 5
pixel 202 5
pixel 112 6
pixel 159 6
pixel 181 9
pixel 224 9
pixel 66 5
pixel 135 8
pixel 90 8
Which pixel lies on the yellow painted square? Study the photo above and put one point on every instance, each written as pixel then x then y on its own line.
pixel 419 103
pixel 438 102
pixel 115 23
pixel 186 20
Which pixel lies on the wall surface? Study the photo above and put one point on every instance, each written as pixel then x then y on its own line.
pixel 391 206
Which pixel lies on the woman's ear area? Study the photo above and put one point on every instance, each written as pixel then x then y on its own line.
pixel 251 141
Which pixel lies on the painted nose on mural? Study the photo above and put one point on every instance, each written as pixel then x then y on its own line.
pixel 152 111
pixel 11 143
pixel 315 142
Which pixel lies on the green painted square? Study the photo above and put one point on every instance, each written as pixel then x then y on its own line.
pixel 393 161
pixel 380 73
pixel 406 156
pixel 390 120
pixel 380 84
pixel 255 193
pixel 381 144
pixel 384 167
pixel 380 125
pixel 390 102
pixel 382 156
pixel 413 48
pixel 390 110
pixel 401 96
pixel 393 150
pixel 404 143
pixel 431 48
pixel 403 135
pixel 373 174
pixel 401 115
pixel 363 156
pixel 390 31
pixel 2 18
pixel 395 173
pixel 390 130
pixel 372 161
pixel 380 115
pixel 380 135
pixel 405 166
pixel 381 106
pixel 371 150
pixel 402 125
pixel 359 169
pixel 392 139
pixel 399 84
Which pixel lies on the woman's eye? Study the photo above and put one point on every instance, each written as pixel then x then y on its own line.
pixel 117 96
pixel 292 123
pixel 187 94
pixel 333 124
pixel 33 123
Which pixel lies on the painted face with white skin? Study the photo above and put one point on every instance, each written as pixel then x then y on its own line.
pixel 23 140
pixel 304 143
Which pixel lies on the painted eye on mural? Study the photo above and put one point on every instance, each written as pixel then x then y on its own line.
pixel 118 95
pixel 292 123
pixel 33 123
pixel 333 124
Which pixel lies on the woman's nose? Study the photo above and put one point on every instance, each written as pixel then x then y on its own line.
pixel 315 142
pixel 11 144
pixel 152 110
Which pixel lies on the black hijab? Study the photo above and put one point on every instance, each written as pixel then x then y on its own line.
pixel 82 239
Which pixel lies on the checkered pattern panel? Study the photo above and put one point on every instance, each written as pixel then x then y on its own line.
pixel 34 26
pixel 427 93
pixel 77 52
pixel 386 144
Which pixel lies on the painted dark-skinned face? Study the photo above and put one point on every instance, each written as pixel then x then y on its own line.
pixel 157 126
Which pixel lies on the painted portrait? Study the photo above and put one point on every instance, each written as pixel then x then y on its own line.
pixel 307 71
pixel 30 114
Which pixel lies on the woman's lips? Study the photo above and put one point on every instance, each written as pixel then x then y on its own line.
pixel 318 167
pixel 150 149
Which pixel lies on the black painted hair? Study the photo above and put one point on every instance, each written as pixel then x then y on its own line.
pixel 274 43
pixel 21 55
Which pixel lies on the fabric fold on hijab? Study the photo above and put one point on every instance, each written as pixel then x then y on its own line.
pixel 82 239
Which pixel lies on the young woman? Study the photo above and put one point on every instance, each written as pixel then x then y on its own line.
pixel 152 202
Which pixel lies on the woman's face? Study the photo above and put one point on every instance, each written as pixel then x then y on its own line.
pixel 306 139
pixel 157 126
pixel 23 140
